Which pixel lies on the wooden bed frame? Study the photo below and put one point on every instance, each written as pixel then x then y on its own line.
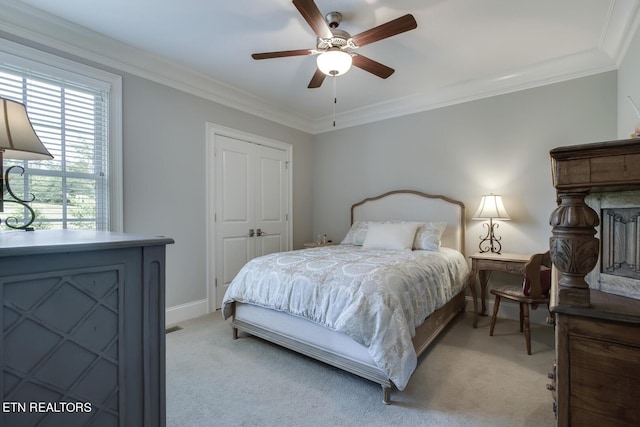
pixel 406 205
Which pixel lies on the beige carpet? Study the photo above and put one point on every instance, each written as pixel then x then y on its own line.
pixel 466 379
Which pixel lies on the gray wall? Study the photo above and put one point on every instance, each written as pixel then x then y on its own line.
pixel 165 169
pixel 629 85
pixel 500 145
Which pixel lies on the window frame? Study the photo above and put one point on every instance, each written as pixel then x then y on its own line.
pixel 17 54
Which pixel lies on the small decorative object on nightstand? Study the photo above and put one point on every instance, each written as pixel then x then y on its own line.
pixel 316 245
pixel 491 208
pixel 322 240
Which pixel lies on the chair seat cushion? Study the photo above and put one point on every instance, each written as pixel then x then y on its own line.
pixel 545 282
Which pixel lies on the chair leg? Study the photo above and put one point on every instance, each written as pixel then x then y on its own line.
pixel 527 330
pixel 496 305
pixel 521 316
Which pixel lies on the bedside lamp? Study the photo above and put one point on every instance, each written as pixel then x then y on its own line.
pixel 19 141
pixel 491 208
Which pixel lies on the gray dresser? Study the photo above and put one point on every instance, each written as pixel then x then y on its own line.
pixel 82 329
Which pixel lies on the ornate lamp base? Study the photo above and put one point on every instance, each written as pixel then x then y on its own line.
pixel 490 243
pixel 12 221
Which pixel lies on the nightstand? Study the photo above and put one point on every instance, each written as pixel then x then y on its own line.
pixel 483 262
pixel 317 245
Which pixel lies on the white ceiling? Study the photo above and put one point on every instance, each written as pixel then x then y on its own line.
pixel 461 50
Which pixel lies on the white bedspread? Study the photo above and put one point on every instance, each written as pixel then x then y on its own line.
pixel 376 297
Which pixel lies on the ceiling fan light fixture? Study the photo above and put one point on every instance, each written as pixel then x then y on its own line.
pixel 334 62
pixel 333 45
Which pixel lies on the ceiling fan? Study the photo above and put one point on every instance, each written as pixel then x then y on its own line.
pixel 335 47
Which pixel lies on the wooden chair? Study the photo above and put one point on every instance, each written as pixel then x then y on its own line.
pixel 533 292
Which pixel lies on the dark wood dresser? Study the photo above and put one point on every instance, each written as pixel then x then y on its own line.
pixel 83 328
pixel 596 379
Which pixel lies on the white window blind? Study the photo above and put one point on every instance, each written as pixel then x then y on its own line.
pixel 72 120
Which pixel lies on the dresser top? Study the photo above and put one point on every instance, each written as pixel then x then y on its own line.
pixel 597 149
pixel 15 243
pixel 603 166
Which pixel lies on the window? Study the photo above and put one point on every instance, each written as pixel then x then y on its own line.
pixel 71 112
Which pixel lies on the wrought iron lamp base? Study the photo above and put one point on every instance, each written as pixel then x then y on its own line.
pixel 5 186
pixel 490 243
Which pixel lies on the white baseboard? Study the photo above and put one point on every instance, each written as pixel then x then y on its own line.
pixel 510 310
pixel 187 311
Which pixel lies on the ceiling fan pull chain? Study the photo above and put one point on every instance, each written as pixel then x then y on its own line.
pixel 335 100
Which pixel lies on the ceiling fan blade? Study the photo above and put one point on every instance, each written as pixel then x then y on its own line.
pixel 282 54
pixel 391 28
pixel 314 18
pixel 372 66
pixel 317 79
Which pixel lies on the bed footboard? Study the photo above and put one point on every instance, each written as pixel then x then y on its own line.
pixel 425 335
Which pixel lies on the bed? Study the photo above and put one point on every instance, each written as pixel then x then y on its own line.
pixel 365 305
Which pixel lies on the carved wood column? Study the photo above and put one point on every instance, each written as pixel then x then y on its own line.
pixel 578 170
pixel 574 249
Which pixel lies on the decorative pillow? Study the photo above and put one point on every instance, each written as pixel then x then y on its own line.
pixel 356 234
pixel 545 282
pixel 397 236
pixel 428 236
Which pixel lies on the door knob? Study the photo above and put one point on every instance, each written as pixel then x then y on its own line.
pixel 251 232
pixel 261 233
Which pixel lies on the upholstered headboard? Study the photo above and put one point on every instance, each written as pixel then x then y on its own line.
pixel 410 205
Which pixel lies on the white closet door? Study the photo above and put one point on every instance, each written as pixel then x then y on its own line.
pixel 251 206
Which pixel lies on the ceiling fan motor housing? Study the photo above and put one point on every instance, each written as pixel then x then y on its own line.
pixel 333 19
pixel 340 40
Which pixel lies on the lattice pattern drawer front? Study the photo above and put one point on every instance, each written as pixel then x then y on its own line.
pixel 60 344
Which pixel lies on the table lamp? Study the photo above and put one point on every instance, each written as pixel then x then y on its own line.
pixel 491 208
pixel 19 141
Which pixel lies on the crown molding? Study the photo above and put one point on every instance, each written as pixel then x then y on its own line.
pixel 581 64
pixel 621 28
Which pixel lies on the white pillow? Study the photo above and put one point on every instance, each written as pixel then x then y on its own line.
pixel 428 236
pixel 390 236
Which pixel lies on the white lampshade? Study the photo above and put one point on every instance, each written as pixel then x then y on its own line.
pixel 18 140
pixel 491 207
pixel 334 62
